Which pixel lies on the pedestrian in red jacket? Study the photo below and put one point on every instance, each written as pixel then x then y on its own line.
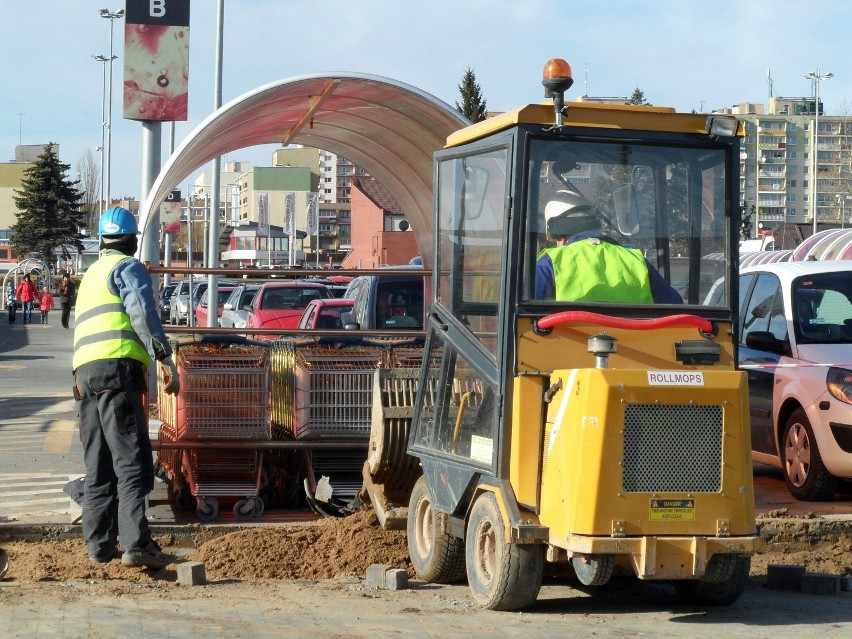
pixel 46 303
pixel 27 294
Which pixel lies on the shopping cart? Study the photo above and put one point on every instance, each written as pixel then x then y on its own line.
pixel 224 396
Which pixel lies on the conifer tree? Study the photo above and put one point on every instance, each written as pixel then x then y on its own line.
pixel 473 104
pixel 49 210
pixel 638 97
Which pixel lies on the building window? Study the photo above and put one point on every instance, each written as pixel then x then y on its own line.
pixel 792 184
pixel 791 197
pixel 791 155
pixel 327 191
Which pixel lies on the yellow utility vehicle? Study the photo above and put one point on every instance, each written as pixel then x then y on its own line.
pixel 611 434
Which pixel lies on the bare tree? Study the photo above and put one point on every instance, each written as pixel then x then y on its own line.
pixel 90 185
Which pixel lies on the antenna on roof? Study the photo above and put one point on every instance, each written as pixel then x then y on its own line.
pixel 769 82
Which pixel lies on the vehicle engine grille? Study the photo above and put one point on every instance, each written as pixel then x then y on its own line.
pixel 672 448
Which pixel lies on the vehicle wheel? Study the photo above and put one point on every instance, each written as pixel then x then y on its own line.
pixel 805 474
pixel 501 575
pixel 593 570
pixel 207 508
pixel 437 557
pixel 259 507
pixel 184 499
pixel 719 593
pixel 244 509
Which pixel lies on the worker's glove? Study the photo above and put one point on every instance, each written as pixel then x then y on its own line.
pixel 171 376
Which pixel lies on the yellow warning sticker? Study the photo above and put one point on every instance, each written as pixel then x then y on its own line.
pixel 672 510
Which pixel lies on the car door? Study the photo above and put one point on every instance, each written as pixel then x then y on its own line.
pixel 762 336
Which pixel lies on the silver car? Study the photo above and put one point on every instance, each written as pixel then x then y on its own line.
pixel 234 313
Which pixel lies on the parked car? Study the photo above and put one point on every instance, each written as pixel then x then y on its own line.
pixel 180 304
pixel 325 313
pixel 386 301
pixel 795 344
pixel 336 287
pixel 201 309
pixel 281 304
pixel 164 300
pixel 234 311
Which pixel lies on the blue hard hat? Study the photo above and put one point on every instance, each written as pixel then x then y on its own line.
pixel 117 221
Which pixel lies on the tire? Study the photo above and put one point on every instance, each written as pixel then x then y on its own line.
pixel 806 476
pixel 437 557
pixel 720 593
pixel 184 499
pixel 593 570
pixel 207 508
pixel 502 575
pixel 244 509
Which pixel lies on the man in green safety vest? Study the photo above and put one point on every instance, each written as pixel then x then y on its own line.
pixel 587 266
pixel 117 335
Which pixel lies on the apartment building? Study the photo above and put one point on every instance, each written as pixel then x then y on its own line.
pixel 782 179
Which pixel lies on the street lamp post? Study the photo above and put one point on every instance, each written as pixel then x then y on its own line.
pixel 103 60
pixel 111 16
pixel 816 78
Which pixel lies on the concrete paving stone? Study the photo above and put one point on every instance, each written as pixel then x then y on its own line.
pixel 784 577
pixel 191 573
pixel 820 583
pixel 376 575
pixel 396 579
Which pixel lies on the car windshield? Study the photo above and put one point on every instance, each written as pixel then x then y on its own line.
pixel 289 298
pixel 822 310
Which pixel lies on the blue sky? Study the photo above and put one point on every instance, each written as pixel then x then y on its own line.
pixel 689 54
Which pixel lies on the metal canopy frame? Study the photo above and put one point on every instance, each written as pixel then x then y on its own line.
pixel 388 128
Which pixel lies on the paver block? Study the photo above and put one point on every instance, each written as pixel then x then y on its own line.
pixel 191 573
pixel 820 583
pixel 396 579
pixel 376 575
pixel 781 577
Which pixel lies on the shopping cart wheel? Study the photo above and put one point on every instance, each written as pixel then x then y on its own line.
pixel 244 509
pixel 259 507
pixel 207 508
pixel 184 499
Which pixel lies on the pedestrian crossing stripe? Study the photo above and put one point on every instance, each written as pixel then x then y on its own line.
pixel 28 495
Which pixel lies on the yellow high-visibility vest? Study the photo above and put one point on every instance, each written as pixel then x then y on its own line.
pixel 103 329
pixel 591 270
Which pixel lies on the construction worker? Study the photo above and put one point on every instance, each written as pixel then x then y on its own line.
pixel 117 333
pixel 585 265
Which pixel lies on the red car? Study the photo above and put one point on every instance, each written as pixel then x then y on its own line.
pixel 201 309
pixel 325 313
pixel 281 305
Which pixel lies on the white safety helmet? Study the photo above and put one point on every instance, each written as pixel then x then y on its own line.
pixel 570 213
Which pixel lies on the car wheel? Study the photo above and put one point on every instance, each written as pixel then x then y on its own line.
pixel 805 474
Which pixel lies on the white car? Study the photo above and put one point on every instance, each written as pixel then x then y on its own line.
pixel 234 313
pixel 795 344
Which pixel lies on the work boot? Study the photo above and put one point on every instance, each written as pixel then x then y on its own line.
pixel 150 556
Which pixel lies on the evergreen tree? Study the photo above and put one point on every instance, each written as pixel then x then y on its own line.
pixel 49 206
pixel 473 104
pixel 638 97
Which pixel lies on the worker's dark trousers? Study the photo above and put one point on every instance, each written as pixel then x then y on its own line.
pixel 117 454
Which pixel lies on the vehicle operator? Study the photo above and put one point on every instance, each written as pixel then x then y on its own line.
pixel 587 266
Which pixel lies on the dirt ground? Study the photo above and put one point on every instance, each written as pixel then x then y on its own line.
pixel 307 579
pixel 344 548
